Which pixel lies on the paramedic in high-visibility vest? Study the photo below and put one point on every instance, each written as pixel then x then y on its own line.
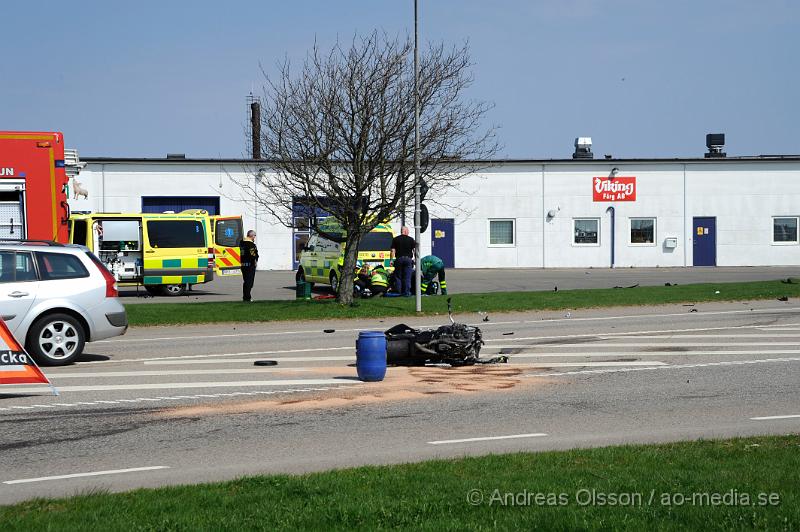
pixel 249 255
pixel 432 266
pixel 378 281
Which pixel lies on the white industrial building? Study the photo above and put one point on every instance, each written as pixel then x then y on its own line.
pixel 581 212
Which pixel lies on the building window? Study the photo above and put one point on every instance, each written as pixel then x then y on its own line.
pixel 643 231
pixel 501 233
pixel 784 230
pixel 587 232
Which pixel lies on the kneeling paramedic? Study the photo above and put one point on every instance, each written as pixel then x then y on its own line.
pixel 378 281
pixel 432 266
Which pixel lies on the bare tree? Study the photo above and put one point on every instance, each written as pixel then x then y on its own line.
pixel 339 135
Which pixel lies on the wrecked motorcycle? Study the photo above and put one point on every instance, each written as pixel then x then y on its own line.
pixel 457 344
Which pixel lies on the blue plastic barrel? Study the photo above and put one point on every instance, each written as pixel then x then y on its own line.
pixel 371 356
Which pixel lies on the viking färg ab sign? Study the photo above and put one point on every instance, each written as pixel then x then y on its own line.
pixel 614 188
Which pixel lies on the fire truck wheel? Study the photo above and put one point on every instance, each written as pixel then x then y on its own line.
pixel 56 340
pixel 173 289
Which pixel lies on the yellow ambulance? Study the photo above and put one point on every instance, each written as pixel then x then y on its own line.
pixel 226 232
pixel 322 259
pixel 167 253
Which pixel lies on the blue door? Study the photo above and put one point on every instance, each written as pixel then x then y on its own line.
pixel 443 241
pixel 705 241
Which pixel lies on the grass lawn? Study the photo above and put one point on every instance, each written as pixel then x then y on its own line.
pixel 209 312
pixel 737 484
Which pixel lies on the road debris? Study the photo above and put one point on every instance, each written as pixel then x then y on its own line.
pixel 329 331
pixel 265 363
pixel 783 298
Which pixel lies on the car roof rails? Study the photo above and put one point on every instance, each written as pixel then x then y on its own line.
pixel 30 241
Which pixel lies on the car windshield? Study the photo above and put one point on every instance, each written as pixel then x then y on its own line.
pixel 376 242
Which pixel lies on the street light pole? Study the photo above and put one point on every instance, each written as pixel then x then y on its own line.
pixel 417 191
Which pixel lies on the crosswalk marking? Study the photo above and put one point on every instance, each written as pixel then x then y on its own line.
pixel 658 344
pixel 140 373
pixel 652 353
pixel 589 364
pixel 179 385
pixel 667 367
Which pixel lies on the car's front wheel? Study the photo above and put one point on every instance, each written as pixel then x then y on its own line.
pixel 56 340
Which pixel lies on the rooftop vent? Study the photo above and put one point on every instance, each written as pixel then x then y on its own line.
pixel 715 142
pixel 72 163
pixel 583 148
pixel 176 156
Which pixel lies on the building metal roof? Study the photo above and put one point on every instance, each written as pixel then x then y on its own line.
pixel 174 160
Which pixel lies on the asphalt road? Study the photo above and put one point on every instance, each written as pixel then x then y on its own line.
pixel 185 404
pixel 273 284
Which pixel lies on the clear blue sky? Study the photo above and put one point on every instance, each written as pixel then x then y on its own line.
pixel 642 77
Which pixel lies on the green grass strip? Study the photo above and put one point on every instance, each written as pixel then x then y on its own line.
pixel 211 312
pixel 736 484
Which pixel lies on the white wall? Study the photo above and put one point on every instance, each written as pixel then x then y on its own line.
pixel 744 198
pixel 119 187
pixel 742 195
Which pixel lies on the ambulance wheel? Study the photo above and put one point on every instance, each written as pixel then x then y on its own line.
pixel 173 289
pixel 300 276
pixel 56 340
pixel 334 282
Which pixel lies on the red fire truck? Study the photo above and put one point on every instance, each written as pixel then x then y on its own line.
pixel 33 185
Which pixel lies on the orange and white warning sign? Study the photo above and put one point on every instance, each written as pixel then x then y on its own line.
pixel 17 366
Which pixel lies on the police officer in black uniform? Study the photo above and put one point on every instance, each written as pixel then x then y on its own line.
pixel 249 255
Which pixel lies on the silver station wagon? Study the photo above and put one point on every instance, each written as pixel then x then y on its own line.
pixel 55 298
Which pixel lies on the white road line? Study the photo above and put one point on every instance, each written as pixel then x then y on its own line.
pixel 673 315
pixel 680 336
pixel 350 358
pixel 588 364
pixel 104 374
pixel 767 418
pixel 248 353
pixel 179 385
pixel 80 475
pixel 652 353
pixel 317 331
pixel 675 366
pixel 488 438
pixel 275 333
pixel 664 344
pixel 185 397
pixel 625 334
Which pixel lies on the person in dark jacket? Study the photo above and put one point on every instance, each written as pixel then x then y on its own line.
pixel 249 255
pixel 403 251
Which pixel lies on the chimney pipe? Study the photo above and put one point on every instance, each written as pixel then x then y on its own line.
pixel 255 128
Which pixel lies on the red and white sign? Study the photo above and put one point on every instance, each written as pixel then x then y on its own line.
pixel 614 188
pixel 17 366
